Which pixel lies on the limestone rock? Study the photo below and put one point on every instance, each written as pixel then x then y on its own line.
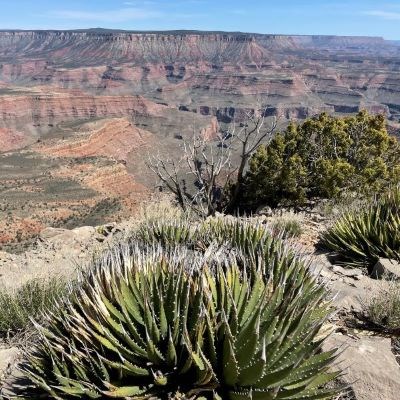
pixel 84 233
pixel 8 357
pixel 386 268
pixel 370 367
pixel 324 267
pixel 50 233
pixel 349 272
pixel 264 210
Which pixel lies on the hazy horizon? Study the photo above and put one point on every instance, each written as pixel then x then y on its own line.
pixel 194 31
pixel 304 17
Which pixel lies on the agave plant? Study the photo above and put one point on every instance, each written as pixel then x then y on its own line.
pixel 154 322
pixel 359 238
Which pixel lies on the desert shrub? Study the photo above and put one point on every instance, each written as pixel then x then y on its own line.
pixel 287 227
pixel 161 208
pixel 18 306
pixel 360 237
pixel 383 309
pixel 164 321
pixel 331 209
pixel 321 158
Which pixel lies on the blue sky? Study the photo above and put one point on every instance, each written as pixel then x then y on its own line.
pixel 332 17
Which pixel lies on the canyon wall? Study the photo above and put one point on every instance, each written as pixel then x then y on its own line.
pixel 89 47
pixel 81 111
pixel 221 74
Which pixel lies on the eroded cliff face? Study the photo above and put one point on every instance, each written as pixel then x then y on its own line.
pixel 295 76
pixel 37 111
pixel 88 47
pixel 81 110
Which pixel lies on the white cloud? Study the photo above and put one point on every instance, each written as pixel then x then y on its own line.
pixel 120 15
pixel 140 3
pixel 388 15
pixel 238 12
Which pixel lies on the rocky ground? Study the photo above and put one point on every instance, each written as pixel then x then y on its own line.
pixel 370 361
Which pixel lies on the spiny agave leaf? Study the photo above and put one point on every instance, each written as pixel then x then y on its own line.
pixel 150 323
pixel 258 394
pixel 112 343
pixel 233 318
pixel 105 342
pixel 256 294
pixel 125 391
pixel 292 351
pixel 273 379
pixel 135 282
pixel 196 310
pixel 229 361
pixel 240 395
pixel 212 286
pixel 198 361
pixel 70 390
pixel 163 319
pixel 271 330
pixel 39 381
pixel 308 369
pixel 153 353
pixel 247 349
pixel 322 379
pixel 248 329
pixel 68 382
pixel 105 374
pixel 250 374
pixel 116 327
pixel 127 367
pixel 216 396
pixel 130 302
pixel 112 309
pixel 321 394
pixel 242 297
pixel 171 356
pixel 210 341
pixel 133 331
pixel 205 376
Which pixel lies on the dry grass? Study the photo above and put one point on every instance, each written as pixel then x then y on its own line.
pixel 383 309
pixel 19 306
pixel 288 224
pixel 160 208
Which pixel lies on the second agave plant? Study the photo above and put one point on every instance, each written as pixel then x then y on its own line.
pixel 360 237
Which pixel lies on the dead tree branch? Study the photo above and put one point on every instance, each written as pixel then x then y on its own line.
pixel 210 170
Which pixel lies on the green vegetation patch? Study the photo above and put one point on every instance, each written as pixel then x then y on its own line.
pixel 323 157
